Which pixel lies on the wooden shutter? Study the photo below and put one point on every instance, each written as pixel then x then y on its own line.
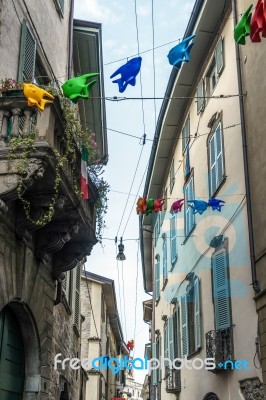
pixel 165 271
pixel 171 348
pixel 157 281
pixel 197 322
pixel 200 97
pixel 221 290
pixel 219 56
pixel 184 324
pixel 173 239
pixel 26 69
pixel 77 297
pixel 189 216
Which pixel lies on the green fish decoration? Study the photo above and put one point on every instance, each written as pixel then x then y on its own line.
pixel 79 87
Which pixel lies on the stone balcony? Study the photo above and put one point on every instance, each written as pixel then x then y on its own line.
pixel 70 235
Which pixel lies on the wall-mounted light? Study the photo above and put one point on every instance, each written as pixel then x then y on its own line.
pixel 121 256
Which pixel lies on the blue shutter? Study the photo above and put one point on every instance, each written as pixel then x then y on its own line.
pixel 221 290
pixel 197 321
pixel 219 56
pixel 184 324
pixel 27 57
pixel 173 239
pixel 157 281
pixel 165 271
pixel 189 216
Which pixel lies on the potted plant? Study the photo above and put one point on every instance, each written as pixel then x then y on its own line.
pixel 9 87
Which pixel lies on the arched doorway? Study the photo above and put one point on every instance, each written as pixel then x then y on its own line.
pixel 211 396
pixel 12 358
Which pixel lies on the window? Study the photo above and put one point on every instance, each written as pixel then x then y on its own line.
pixel 190 319
pixel 60 5
pixel 185 134
pixel 216 67
pixel 30 63
pixel 200 96
pixel 157 227
pixel 172 176
pixel 165 270
pixel 221 290
pixel 173 239
pixel 216 160
pixel 189 216
pixel 157 280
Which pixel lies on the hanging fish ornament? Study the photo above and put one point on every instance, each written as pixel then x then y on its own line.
pixel 36 96
pixel 216 204
pixel 258 23
pixel 128 73
pixel 130 345
pixel 242 29
pixel 158 205
pixel 198 206
pixel 141 205
pixel 181 53
pixel 177 205
pixel 150 204
pixel 79 87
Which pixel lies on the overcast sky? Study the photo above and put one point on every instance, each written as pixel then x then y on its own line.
pixel 120 41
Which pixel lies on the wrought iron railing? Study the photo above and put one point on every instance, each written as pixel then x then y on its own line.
pixel 172 379
pixel 219 345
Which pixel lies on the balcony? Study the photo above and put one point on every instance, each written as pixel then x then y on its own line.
pixel 30 172
pixel 172 380
pixel 219 345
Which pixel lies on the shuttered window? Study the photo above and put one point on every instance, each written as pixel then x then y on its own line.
pixel 219 56
pixel 190 320
pixel 189 216
pixel 77 297
pixel 216 160
pixel 157 281
pixel 165 270
pixel 200 96
pixel 185 134
pixel 60 5
pixel 173 239
pixel 154 371
pixel 221 290
pixel 172 175
pixel 176 323
pixel 171 343
pixel 159 354
pixel 26 69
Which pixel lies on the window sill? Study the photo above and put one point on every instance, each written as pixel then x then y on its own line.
pixel 189 235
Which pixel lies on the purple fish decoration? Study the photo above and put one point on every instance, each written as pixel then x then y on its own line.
pixel 177 205
pixel 128 72
pixel 199 206
pixel 180 53
pixel 216 204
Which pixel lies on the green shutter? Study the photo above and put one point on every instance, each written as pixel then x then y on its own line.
pixel 219 56
pixel 173 239
pixel 216 159
pixel 221 290
pixel 177 334
pixel 197 321
pixel 172 176
pixel 77 297
pixel 212 157
pixel 166 338
pixel 157 281
pixel 200 97
pixel 159 354
pixel 165 270
pixel 184 324
pixel 26 69
pixel 185 134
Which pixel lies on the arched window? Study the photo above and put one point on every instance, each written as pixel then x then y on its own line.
pixel 211 396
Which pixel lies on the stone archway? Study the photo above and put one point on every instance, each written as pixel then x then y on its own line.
pixel 31 348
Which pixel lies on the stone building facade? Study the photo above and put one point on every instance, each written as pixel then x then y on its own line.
pixel 40 263
pixel 101 336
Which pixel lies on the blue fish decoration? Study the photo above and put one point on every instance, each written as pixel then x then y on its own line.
pixel 199 206
pixel 180 53
pixel 216 204
pixel 128 72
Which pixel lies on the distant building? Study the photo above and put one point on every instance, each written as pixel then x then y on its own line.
pixel 101 335
pixel 132 389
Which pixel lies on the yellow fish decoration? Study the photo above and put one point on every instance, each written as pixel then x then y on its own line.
pixel 36 96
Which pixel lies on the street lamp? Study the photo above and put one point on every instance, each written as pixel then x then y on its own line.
pixel 121 256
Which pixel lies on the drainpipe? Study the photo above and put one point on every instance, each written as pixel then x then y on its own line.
pixel 255 283
pixel 70 40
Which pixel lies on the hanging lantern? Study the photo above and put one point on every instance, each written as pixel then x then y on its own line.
pixel 121 256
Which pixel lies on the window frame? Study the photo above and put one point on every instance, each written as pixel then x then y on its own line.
pixel 218 156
